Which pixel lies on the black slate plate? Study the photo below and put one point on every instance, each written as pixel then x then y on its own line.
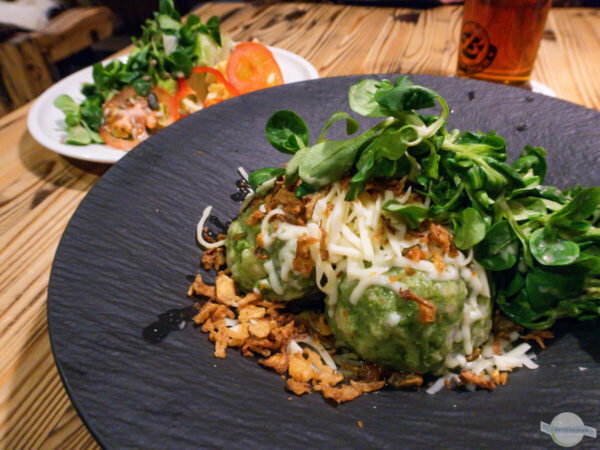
pixel 129 253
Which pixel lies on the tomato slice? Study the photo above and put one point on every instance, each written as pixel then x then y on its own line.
pixel 251 66
pixel 128 117
pixel 120 143
pixel 166 99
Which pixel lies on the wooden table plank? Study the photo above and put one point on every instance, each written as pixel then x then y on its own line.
pixel 40 190
pixel 569 57
pixel 342 41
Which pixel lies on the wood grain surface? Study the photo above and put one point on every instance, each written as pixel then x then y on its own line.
pixel 39 190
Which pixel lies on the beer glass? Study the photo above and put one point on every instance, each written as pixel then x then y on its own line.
pixel 499 39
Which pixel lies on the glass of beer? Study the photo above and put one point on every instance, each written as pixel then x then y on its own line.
pixel 499 39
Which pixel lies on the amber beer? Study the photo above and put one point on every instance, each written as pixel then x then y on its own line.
pixel 499 39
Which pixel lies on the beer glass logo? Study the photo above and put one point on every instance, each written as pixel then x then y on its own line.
pixel 476 50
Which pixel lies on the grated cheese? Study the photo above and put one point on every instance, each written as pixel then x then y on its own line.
pixel 350 228
pixel 325 356
pixel 243 173
pixel 356 233
pixel 200 231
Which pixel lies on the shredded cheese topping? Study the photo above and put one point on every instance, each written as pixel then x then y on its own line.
pixel 200 231
pixel 361 231
pixel 365 242
pixel 242 173
pixel 487 362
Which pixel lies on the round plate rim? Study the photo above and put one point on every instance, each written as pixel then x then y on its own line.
pixel 107 178
pixel 105 153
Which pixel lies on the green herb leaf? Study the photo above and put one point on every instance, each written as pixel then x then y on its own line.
pixel 142 87
pixel 585 203
pixel 261 176
pixel 287 131
pixel 72 120
pixel 414 215
pixel 405 96
pixel 388 145
pixel 487 152
pixel 351 124
pixel 92 115
pixel 181 61
pixel 546 192
pixel 167 7
pixel 527 208
pixel 78 135
pixel 187 36
pixel 95 137
pixel 431 165
pixel 545 288
pixel 328 161
pixel 362 98
pixel 513 178
pixel 88 89
pixel 293 165
pixel 481 144
pixel 387 168
pixel 192 20
pixel 67 105
pixel 515 285
pixel 167 23
pixel 551 250
pixel 305 189
pixel 383 157
pixel 469 228
pixel 532 158
pixel 519 309
pixel 589 261
pixel 499 249
pixel 214 29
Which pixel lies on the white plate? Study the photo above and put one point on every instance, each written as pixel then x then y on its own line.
pixel 46 122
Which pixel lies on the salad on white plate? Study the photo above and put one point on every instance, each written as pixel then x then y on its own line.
pixel 176 68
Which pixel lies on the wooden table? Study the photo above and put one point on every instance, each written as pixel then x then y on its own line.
pixel 39 190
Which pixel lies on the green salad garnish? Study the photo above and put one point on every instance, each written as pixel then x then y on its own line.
pixel 540 244
pixel 168 49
